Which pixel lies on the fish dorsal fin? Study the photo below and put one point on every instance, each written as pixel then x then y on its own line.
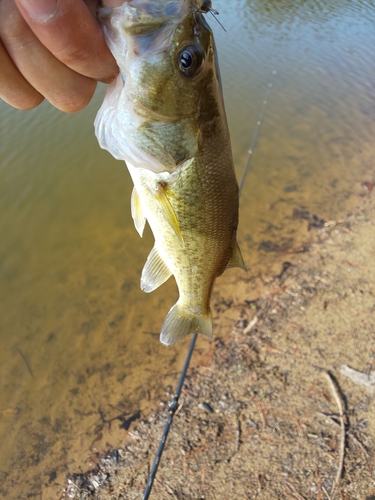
pixel 155 272
pixel 167 210
pixel 137 214
pixel 236 259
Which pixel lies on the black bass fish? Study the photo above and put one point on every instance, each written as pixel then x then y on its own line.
pixel 164 115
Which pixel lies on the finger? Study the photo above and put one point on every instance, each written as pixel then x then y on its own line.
pixel 70 32
pixel 14 89
pixel 63 87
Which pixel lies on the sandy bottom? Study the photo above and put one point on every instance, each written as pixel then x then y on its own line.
pixel 282 405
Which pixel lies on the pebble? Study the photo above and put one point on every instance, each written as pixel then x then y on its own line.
pixel 205 406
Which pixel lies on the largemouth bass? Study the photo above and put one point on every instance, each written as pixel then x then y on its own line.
pixel 164 115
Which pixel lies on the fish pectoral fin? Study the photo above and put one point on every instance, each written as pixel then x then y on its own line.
pixel 236 259
pixel 180 322
pixel 155 272
pixel 168 212
pixel 137 214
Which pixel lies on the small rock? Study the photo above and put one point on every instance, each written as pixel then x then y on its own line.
pixel 206 407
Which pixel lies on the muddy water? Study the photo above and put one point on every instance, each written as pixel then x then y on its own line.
pixel 79 349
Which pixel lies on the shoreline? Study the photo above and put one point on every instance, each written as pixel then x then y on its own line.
pixel 276 429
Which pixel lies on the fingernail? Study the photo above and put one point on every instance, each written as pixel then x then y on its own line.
pixel 40 10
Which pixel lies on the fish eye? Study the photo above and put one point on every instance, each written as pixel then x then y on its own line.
pixel 189 60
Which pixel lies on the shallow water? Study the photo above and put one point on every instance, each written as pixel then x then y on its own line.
pixel 80 354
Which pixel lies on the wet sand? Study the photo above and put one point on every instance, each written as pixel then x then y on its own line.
pixel 270 409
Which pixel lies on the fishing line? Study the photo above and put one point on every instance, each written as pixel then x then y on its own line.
pixel 215 13
pixel 174 404
pixel 256 133
pixel 172 411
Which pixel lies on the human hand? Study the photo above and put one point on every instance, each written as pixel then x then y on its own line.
pixel 53 49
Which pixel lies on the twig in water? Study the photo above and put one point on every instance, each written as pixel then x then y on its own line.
pixel 336 394
pixel 25 361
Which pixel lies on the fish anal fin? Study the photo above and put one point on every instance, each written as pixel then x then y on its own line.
pixel 155 272
pixel 180 322
pixel 167 210
pixel 236 259
pixel 137 214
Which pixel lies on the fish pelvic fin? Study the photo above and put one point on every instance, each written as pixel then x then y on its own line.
pixel 155 272
pixel 236 259
pixel 167 210
pixel 180 322
pixel 137 214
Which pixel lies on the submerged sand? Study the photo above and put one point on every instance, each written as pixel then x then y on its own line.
pixel 282 405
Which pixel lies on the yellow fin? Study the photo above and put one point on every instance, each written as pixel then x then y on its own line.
pixel 155 272
pixel 180 322
pixel 137 214
pixel 236 259
pixel 167 211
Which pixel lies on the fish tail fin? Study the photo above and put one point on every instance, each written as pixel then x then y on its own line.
pixel 180 322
